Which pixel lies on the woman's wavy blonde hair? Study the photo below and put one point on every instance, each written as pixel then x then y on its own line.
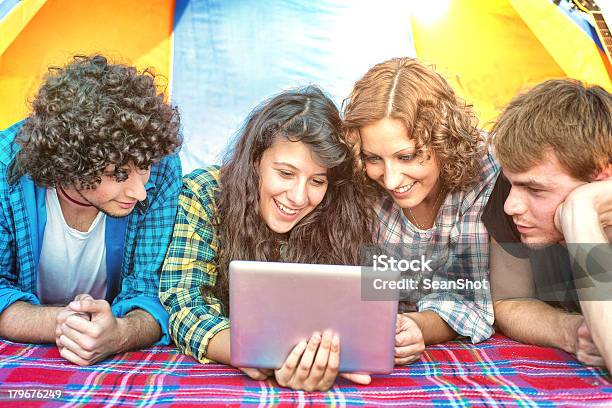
pixel 438 120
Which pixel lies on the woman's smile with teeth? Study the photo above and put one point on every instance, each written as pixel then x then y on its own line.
pixel 403 189
pixel 285 209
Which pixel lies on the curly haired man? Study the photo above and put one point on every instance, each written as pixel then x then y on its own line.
pixel 88 194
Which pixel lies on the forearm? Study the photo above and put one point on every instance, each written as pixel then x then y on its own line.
pixel 435 330
pixel 138 329
pixel 26 323
pixel 581 224
pixel 586 242
pixel 598 315
pixel 219 347
pixel 535 322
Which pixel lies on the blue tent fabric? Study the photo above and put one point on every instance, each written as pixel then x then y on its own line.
pixel 6 6
pixel 231 55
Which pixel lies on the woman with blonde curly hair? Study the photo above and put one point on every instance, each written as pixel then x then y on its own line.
pixel 425 162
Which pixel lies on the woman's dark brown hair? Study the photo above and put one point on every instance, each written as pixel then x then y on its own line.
pixel 333 232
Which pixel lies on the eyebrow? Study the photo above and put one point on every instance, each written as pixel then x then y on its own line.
pixel 533 184
pixel 530 183
pixel 296 169
pixel 399 151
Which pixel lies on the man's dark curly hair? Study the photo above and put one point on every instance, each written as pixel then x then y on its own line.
pixel 91 114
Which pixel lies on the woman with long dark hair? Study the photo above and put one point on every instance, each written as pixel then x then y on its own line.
pixel 284 193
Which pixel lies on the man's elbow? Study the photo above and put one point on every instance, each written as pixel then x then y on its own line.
pixel 503 312
pixel 8 321
pixel 500 307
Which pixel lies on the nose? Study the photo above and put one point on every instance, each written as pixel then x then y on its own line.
pixel 514 204
pixel 135 188
pixel 297 194
pixel 392 177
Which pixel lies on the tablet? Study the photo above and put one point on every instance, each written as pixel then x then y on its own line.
pixel 273 306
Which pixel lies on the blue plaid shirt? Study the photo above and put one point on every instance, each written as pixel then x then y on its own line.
pixel 458 245
pixel 135 245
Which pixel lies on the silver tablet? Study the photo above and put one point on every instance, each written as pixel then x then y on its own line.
pixel 273 306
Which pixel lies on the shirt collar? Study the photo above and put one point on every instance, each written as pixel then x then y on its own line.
pixel 143 205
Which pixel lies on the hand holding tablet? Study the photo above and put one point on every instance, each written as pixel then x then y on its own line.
pixel 311 365
pixel 314 364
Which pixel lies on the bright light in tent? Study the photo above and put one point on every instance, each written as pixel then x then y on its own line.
pixel 428 12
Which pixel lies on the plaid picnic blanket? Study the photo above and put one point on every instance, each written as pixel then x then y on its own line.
pixel 498 372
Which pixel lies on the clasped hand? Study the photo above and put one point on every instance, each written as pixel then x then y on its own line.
pixel 87 331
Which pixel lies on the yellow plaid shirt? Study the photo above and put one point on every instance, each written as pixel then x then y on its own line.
pixel 191 263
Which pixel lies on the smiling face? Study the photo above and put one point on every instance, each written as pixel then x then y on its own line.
pixel 291 184
pixel 534 198
pixel 114 198
pixel 391 160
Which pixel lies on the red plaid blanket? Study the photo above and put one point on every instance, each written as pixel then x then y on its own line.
pixel 498 372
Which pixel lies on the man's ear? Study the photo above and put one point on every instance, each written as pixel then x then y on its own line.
pixel 605 173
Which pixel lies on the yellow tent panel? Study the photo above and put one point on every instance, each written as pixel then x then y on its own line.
pixel 134 32
pixel 491 49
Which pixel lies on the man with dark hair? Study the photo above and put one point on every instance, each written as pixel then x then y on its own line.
pixel 89 183
pixel 554 144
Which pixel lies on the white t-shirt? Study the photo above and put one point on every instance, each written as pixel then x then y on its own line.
pixel 71 262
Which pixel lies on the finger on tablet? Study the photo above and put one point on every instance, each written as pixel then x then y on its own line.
pixel 294 357
pixel 284 374
pixel 333 363
pixel 323 353
pixel 303 368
